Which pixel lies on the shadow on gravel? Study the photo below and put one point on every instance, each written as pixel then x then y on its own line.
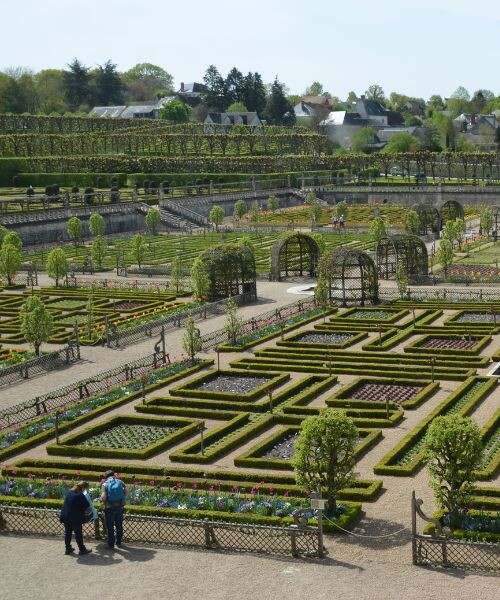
pixel 376 528
pixel 103 556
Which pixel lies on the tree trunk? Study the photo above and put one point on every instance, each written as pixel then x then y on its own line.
pixel 37 349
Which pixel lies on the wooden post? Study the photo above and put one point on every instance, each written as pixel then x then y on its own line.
pixel 56 426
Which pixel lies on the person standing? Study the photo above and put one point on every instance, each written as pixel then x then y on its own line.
pixel 72 516
pixel 113 496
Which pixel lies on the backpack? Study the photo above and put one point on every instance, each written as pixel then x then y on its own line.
pixel 114 490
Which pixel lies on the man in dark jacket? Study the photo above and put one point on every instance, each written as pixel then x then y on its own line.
pixel 73 516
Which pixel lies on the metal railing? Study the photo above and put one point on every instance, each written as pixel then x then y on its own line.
pixel 80 390
pixel 296 540
pixel 440 551
pixel 40 364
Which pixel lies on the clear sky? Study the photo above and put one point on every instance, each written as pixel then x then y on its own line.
pixel 418 48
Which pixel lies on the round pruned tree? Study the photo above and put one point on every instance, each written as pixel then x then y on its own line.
pixel 138 248
pixel 324 454
pixel 98 250
pixel 485 219
pixel 10 261
pixel 342 210
pixel 240 209
pixel 57 265
pixel 14 239
pixel 454 452
pixel 74 227
pixel 402 280
pixel 97 224
pixel 459 231
pixel 36 322
pixel 272 203
pixel 216 216
pixel 3 232
pixel 153 220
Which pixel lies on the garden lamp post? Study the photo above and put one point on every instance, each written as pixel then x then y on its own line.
pixel 217 349
pixel 379 327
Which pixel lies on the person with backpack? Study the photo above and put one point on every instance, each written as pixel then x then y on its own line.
pixel 113 497
pixel 72 516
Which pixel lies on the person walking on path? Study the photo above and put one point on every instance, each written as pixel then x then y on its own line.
pixel 72 516
pixel 113 496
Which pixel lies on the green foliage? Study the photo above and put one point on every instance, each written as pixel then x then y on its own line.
pixel 324 454
pixel 279 110
pixel 459 231
pixel 272 203
pixel 153 220
pixel 191 340
pixel 234 323
pixel 362 139
pixel 449 232
pixel 98 250
pixel 310 198
pixel 12 238
pixel 315 211
pixel 36 322
pixel 402 279
pixel 216 215
pixel 200 280
pixel 57 264
pixel 90 310
pixel 454 451
pixel 240 209
pixel 486 220
pixel 412 222
pixel 138 248
pixel 237 107
pixel 3 232
pixel 97 224
pixel 175 111
pixel 377 229
pixel 445 254
pixel 319 238
pixel 10 261
pixel 402 142
pixel 177 274
pixel 74 228
pixel 342 210
pixel 321 291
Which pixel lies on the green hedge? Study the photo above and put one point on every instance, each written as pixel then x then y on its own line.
pixel 81 180
pixel 189 389
pixel 415 347
pixel 64 427
pixel 386 467
pixel 347 390
pixel 71 445
pixel 291 343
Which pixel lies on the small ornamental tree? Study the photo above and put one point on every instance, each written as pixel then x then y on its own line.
pixel 74 227
pixel 200 280
pixel 342 210
pixel 449 232
pixel 3 232
pixel 412 222
pixel 253 215
pixel 97 224
pixel 14 239
pixel 319 238
pixel 310 198
pixel 272 203
pixel 191 340
pixel 315 212
pixel 138 247
pixel 324 454
pixel 10 261
pixel 36 322
pixel 57 264
pixel 321 291
pixel 153 220
pixel 377 229
pixel 402 280
pixel 98 250
pixel 459 231
pixel 234 324
pixel 177 274
pixel 454 452
pixel 216 216
pixel 486 220
pixel 445 254
pixel 175 111
pixel 90 310
pixel 240 209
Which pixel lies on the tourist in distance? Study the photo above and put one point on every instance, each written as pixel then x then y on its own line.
pixel 113 496
pixel 72 516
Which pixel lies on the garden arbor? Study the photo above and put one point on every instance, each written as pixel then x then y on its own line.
pixel 350 276
pixel 230 269
pixel 450 211
pixel 430 218
pixel 294 254
pixel 408 250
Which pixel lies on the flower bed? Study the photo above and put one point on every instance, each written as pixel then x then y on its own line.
pixel 449 343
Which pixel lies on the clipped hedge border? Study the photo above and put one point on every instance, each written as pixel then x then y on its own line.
pixel 92 414
pixel 188 390
pixel 397 313
pixel 364 490
pixel 460 534
pixel 290 343
pixel 489 430
pixel 274 334
pixel 415 346
pixel 383 467
pixel 71 447
pixel 417 400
